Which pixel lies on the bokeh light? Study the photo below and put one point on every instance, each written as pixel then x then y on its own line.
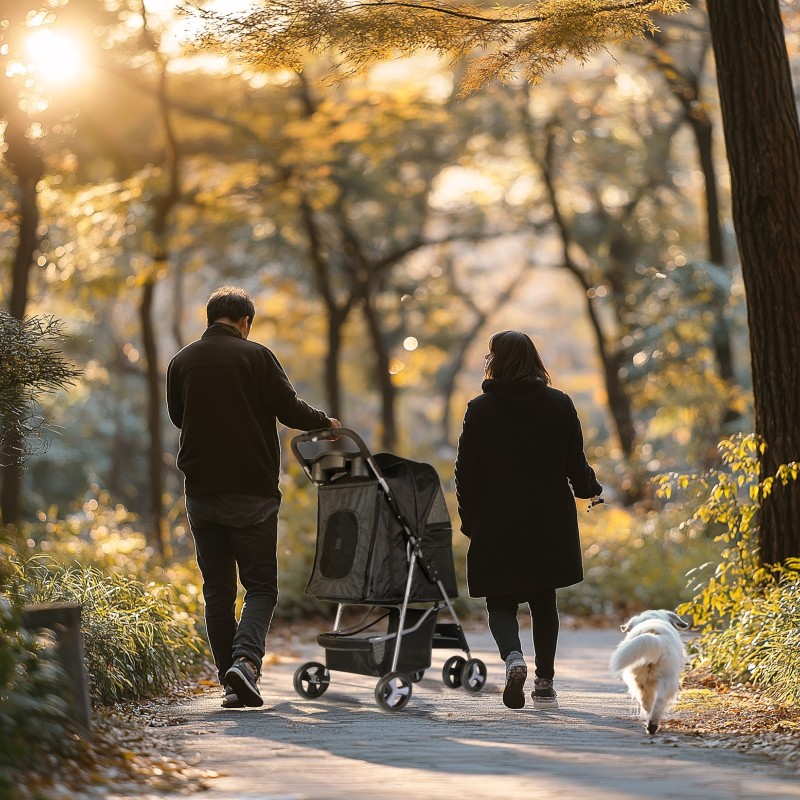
pixel 55 57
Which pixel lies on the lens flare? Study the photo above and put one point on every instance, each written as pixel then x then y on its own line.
pixel 55 57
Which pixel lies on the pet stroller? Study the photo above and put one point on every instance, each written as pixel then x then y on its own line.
pixel 384 541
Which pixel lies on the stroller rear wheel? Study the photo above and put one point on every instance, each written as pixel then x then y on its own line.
pixel 473 675
pixel 312 679
pixel 393 691
pixel 451 671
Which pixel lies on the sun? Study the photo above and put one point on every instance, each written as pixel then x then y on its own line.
pixel 56 57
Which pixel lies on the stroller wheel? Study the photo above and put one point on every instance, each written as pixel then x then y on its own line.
pixel 311 679
pixel 473 675
pixel 416 677
pixel 393 691
pixel 451 671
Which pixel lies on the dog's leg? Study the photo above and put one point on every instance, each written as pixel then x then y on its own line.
pixel 663 698
pixel 655 714
pixel 645 694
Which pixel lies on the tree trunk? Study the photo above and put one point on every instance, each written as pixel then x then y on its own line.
pixel 619 403
pixel 156 527
pixel 762 136
pixel 388 390
pixel 163 205
pixel 703 130
pixel 337 313
pixel 28 168
pixel 336 320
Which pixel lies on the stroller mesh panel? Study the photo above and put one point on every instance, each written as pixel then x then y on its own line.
pixel 340 542
pixel 438 514
pixel 346 522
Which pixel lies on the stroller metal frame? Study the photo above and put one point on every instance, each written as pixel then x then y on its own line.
pixel 349 652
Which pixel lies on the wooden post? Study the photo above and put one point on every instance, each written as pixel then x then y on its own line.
pixel 64 619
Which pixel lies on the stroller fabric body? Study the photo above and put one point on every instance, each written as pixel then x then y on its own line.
pixel 362 548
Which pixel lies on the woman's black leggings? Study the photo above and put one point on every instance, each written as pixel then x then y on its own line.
pixel 504 626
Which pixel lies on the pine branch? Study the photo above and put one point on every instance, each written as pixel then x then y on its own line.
pixel 531 37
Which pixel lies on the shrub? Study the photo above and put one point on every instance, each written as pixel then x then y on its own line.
pixel 34 721
pixel 32 365
pixel 747 612
pixel 138 643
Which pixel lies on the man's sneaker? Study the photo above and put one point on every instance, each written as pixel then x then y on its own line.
pixel 230 699
pixel 241 679
pixel 544 695
pixel 516 672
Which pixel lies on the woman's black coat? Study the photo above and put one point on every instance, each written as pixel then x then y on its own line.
pixel 520 465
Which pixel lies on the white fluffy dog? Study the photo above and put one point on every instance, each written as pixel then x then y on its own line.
pixel 650 659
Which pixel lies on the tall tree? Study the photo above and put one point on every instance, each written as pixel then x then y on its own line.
pixel 163 207
pixel 24 159
pixel 762 137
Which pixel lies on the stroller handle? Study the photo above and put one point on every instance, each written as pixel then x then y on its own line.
pixel 328 433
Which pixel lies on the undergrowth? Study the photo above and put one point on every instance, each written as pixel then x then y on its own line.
pixel 747 613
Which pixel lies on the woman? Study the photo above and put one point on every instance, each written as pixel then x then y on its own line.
pixel 519 467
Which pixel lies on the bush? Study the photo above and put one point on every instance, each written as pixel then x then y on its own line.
pixel 34 721
pixel 747 612
pixel 32 365
pixel 139 616
pixel 138 642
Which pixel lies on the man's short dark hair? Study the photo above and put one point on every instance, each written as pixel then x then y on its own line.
pixel 231 302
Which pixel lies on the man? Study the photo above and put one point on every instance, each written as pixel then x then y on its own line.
pixel 226 393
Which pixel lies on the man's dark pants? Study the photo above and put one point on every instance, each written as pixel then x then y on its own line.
pixel 220 550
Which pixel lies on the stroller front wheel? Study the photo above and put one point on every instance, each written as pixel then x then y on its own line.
pixel 393 691
pixel 312 679
pixel 451 671
pixel 473 675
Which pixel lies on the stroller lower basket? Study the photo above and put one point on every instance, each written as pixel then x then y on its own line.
pixel 372 654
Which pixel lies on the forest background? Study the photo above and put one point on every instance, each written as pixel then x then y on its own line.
pixel 386 224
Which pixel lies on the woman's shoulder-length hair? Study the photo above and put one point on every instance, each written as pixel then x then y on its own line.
pixel 513 357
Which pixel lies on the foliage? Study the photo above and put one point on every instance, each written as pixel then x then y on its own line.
pixel 746 612
pixel 31 365
pixel 105 536
pixel 137 643
pixel 534 36
pixel 151 643
pixel 632 563
pixel 34 720
pixel 139 615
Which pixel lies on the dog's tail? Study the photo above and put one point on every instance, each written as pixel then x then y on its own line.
pixel 643 649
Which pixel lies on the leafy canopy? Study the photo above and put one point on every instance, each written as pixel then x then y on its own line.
pixel 534 37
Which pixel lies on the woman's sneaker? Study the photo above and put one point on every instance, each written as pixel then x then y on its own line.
pixel 241 679
pixel 544 695
pixel 516 672
pixel 230 699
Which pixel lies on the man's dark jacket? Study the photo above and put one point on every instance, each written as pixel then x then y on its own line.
pixel 225 393
pixel 520 465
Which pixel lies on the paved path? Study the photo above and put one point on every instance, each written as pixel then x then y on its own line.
pixel 448 743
